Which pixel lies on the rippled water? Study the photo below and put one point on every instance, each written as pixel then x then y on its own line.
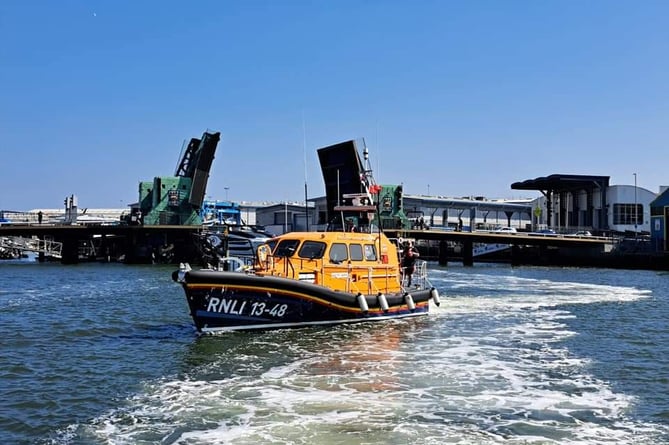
pixel 106 354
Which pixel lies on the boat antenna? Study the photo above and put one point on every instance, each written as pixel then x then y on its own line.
pixel 341 212
pixel 368 178
pixel 373 191
pixel 304 149
pixel 378 150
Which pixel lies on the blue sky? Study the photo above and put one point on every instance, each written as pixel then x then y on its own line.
pixel 463 97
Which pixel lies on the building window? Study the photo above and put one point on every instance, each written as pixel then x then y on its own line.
pixel 627 214
pixel 282 218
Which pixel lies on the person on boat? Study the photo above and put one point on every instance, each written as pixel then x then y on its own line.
pixel 409 257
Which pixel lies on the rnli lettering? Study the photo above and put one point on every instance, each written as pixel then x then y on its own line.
pixel 237 307
pixel 226 306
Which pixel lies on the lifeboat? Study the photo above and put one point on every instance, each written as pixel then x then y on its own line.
pixel 305 279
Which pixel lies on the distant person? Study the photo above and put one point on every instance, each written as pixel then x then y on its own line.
pixel 409 257
pixel 459 224
pixel 40 215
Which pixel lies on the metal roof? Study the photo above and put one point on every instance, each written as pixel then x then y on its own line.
pixel 661 200
pixel 562 182
pixel 460 203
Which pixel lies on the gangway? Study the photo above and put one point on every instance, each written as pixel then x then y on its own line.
pixel 48 247
pixel 484 249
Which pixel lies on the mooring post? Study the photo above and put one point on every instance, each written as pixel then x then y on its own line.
pixel 468 253
pixel 70 250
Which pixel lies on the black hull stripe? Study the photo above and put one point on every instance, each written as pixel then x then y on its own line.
pixel 260 326
pixel 352 306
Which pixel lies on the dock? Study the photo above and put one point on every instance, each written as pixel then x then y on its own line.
pixel 582 246
pixel 537 249
pixel 132 244
pixel 173 244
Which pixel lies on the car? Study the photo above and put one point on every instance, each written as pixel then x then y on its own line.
pixel 505 230
pixel 583 233
pixel 546 232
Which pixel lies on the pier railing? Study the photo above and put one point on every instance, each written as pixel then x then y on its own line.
pixel 46 246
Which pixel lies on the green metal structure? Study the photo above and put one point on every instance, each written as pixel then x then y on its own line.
pixel 178 199
pixel 391 209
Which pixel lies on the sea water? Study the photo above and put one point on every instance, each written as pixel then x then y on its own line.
pixel 107 354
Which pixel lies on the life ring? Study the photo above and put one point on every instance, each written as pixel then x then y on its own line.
pixel 214 240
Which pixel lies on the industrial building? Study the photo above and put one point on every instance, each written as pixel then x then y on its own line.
pixel 659 215
pixel 582 202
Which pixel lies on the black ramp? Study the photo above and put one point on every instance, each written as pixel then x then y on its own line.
pixel 342 170
pixel 202 166
pixel 186 165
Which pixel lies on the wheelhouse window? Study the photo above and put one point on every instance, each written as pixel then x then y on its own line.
pixel 312 250
pixel 356 252
pixel 286 248
pixel 338 253
pixel 370 252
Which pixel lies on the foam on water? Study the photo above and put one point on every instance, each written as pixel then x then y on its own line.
pixel 484 291
pixel 489 366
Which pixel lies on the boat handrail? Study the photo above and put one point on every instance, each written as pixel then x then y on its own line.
pixel 368 275
pixel 288 267
pixel 46 246
pixel 419 278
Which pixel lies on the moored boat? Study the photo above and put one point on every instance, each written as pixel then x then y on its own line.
pixel 309 278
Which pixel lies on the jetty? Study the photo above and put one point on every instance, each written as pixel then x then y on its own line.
pixel 132 244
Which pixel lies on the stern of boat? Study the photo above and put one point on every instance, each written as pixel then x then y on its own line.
pixel 421 287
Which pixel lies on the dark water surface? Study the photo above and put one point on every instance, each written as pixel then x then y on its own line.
pixel 106 354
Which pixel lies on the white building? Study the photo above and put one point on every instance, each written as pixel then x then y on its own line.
pixel 572 203
pixel 629 208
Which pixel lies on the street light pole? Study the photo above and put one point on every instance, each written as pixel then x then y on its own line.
pixel 226 192
pixel 636 216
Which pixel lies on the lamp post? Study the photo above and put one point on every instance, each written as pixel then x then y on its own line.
pixel 428 190
pixel 226 192
pixel 636 216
